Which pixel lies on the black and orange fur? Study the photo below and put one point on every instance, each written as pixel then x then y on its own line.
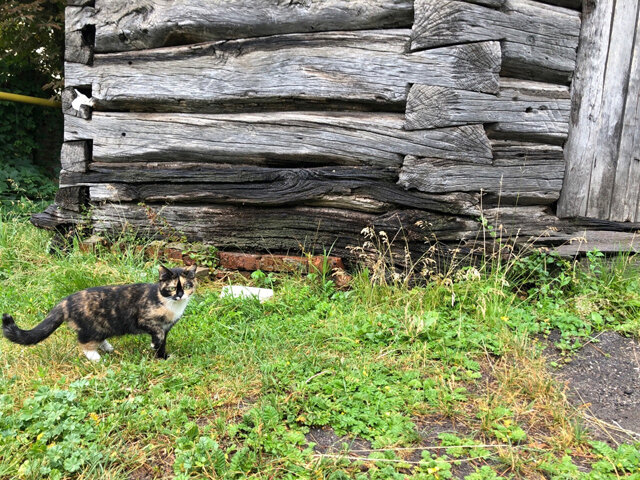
pixel 99 313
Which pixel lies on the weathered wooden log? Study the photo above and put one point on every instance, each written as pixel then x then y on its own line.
pixel 79 34
pixel 514 152
pixel 70 94
pixel 289 138
pixel 323 229
pixel 539 41
pixel 280 229
pixel 169 173
pixel 362 189
pixel 533 178
pixel 73 198
pixel 366 68
pixel 123 25
pixel 599 98
pixel 373 197
pixel 524 110
pixel 75 156
pixel 54 217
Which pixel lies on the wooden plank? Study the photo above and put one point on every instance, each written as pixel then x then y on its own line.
pixel 539 41
pixel 625 200
pixel 604 241
pixel 530 181
pixel 365 67
pixel 606 150
pixel 599 92
pixel 281 139
pixel 587 98
pixel 522 109
pixel 124 25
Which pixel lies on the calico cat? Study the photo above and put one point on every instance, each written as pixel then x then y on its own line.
pixel 99 313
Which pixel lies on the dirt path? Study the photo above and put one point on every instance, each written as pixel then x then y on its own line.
pixel 603 378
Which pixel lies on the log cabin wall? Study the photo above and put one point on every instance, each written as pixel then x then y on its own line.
pixel 279 126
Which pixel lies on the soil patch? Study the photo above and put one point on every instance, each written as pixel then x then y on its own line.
pixel 327 442
pixel 603 379
pixel 159 466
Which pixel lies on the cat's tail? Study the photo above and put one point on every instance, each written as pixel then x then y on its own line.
pixel 38 333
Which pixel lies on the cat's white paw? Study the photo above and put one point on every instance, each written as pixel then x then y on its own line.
pixel 153 345
pixel 92 355
pixel 106 346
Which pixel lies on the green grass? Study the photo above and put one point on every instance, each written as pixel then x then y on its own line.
pixel 247 381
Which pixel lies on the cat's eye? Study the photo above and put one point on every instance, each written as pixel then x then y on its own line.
pixel 188 284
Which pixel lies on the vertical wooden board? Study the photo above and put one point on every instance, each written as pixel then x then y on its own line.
pixel 606 148
pixel 625 200
pixel 586 99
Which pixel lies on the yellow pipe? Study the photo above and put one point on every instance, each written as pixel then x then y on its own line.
pixel 43 102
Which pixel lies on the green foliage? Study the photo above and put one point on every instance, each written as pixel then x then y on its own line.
pixel 61 436
pixel 31 45
pixel 21 178
pixel 500 423
pixel 367 402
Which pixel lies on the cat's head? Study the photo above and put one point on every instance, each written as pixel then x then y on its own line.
pixel 177 283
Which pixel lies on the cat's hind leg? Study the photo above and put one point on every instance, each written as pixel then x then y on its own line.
pixel 90 350
pixel 105 346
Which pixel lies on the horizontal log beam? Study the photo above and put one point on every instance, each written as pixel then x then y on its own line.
pixel 123 25
pixel 533 179
pixel 363 69
pixel 289 138
pixel 538 41
pixel 276 229
pixel 522 110
pixel 373 197
pixel 318 229
pixel 361 189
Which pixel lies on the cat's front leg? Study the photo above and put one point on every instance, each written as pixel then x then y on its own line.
pixel 159 343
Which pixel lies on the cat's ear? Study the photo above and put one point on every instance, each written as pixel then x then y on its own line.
pixel 165 273
pixel 191 271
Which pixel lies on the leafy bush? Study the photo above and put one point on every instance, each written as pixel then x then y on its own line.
pixel 31 42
